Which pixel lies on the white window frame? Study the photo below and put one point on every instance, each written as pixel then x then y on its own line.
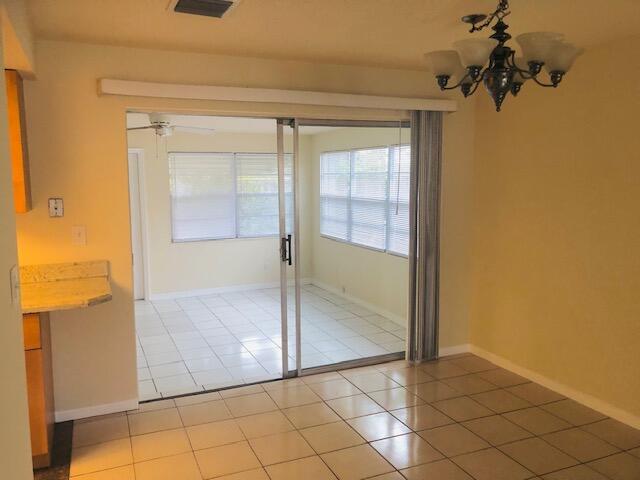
pixel 349 199
pixel 235 196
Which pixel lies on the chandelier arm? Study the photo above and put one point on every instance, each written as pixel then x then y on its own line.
pixel 535 79
pixel 462 80
pixel 475 87
pixel 511 62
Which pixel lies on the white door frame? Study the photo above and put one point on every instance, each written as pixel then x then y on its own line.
pixel 139 153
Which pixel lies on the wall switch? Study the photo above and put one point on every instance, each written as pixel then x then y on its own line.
pixel 79 235
pixel 56 207
pixel 14 281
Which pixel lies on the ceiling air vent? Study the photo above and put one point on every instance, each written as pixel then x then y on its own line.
pixel 209 8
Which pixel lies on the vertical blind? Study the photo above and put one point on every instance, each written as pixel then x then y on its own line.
pixel 364 197
pixel 227 195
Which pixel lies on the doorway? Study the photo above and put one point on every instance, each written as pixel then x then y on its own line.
pixel 250 279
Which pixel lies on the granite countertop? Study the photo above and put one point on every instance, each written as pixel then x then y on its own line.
pixel 63 286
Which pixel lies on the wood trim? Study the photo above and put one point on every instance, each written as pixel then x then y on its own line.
pixel 18 142
pixel 107 86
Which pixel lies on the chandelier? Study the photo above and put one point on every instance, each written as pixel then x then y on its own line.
pixel 505 73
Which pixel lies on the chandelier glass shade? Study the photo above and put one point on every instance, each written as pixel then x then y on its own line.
pixel 491 62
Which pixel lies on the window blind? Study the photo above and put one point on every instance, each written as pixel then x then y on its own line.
pixel 364 197
pixel 227 195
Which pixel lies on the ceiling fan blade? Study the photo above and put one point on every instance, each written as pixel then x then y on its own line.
pixel 141 128
pixel 198 130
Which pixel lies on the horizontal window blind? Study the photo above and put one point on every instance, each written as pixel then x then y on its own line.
pixel 227 195
pixel 364 197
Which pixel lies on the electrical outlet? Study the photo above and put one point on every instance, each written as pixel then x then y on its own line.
pixel 56 207
pixel 14 282
pixel 79 235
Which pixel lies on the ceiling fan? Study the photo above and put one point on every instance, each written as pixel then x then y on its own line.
pixel 162 126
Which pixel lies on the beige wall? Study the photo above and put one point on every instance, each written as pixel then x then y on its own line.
pixel 15 447
pixel 185 267
pixel 78 150
pixel 556 269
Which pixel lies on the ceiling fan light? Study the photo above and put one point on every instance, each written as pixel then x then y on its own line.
pixel 537 46
pixel 443 62
pixel 475 52
pixel 562 56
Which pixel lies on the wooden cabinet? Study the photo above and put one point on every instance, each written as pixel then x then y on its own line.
pixel 37 350
pixel 18 142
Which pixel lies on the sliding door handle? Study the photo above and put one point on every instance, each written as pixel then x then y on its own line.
pixel 285 249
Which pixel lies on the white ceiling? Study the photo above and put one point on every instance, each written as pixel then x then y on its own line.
pixel 390 33
pixel 221 124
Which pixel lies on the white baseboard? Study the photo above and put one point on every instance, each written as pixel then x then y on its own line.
pixel 569 392
pixel 454 349
pixel 374 308
pixel 86 412
pixel 217 290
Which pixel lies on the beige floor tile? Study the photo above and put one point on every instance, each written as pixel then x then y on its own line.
pixel 262 424
pixel 204 413
pixel 159 444
pixel 388 476
pixel 240 391
pixel 473 364
pixel 153 406
pixel 406 451
pixel 535 394
pixel 440 470
pixel 573 412
pixel 355 406
pixel 199 398
pixel 501 401
pixel 100 430
pixel 635 452
pixel 579 472
pixel 334 389
pixel 538 456
pixel 281 447
pixel 491 464
pixel 615 432
pixel 356 463
pixel 183 467
pixel 226 459
pixel 281 384
pixel 462 408
pixel 580 444
pixel 101 456
pixel 394 365
pixel 378 426
pixel 537 421
pixel 118 473
pixel 372 382
pixel 453 440
pixel 100 417
pixel 469 384
pixel 332 436
pixel 443 369
pixel 154 421
pixel 502 378
pixel 618 467
pixel 257 474
pixel 312 468
pixel 207 435
pixel 421 417
pixel 294 396
pixel 408 376
pixel 321 377
pixel 497 430
pixel 395 398
pixel 433 391
pixel 354 372
pixel 311 415
pixel 250 404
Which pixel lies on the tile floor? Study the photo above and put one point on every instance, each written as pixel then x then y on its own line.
pixel 215 341
pixel 458 418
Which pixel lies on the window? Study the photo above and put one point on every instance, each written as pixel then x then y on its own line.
pixel 227 195
pixel 364 197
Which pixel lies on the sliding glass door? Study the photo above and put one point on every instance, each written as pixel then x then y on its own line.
pixel 344 231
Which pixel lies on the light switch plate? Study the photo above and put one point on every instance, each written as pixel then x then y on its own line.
pixel 56 207
pixel 79 235
pixel 14 281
